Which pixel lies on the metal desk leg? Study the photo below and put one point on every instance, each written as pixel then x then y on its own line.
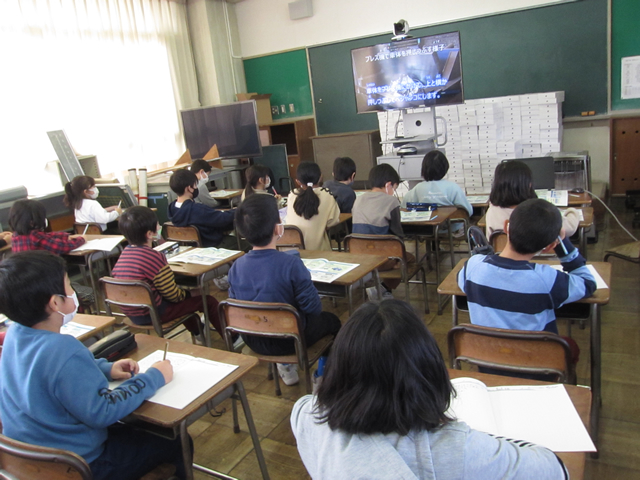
pixel 186 450
pixel 451 253
pixel 454 311
pixel 349 298
pixel 94 286
pixel 582 242
pixel 205 310
pixel 596 380
pixel 437 252
pixel 252 430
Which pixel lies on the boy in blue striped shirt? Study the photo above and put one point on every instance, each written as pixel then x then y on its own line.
pixel 508 291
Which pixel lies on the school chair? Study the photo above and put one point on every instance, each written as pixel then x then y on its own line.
pixel 512 351
pixel 498 240
pixel 629 252
pixel 136 293
pixel 19 460
pixel 272 320
pixel 292 238
pixel 183 235
pixel 392 247
pixel 87 229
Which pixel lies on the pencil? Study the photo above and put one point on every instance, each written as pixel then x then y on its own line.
pixel 85 229
pixel 166 348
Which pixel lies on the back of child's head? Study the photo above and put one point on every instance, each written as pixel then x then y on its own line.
pixel 343 168
pixel 28 280
pixel 382 174
pixel 384 353
pixel 434 166
pixel 253 175
pixel 512 184
pixel 256 219
pixel 198 165
pixel 307 202
pixel 135 222
pixel 182 179
pixel 27 215
pixel 533 225
pixel 74 191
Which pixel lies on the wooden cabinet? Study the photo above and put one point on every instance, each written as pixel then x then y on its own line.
pixel 363 147
pixel 296 135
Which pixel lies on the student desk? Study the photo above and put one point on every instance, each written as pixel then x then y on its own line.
pixel 203 273
pixel 341 226
pixel 90 258
pixel 171 422
pixel 344 284
pixel 449 286
pixel 580 396
pixel 585 223
pixel 227 196
pixel 98 322
pixel 440 217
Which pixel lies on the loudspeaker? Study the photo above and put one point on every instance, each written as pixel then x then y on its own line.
pixel 300 9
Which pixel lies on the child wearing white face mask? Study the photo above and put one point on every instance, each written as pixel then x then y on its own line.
pixel 81 194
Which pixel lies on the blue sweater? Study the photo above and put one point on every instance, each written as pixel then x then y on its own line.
pixel 442 192
pixel 211 223
pixel 520 295
pixel 53 392
pixel 273 276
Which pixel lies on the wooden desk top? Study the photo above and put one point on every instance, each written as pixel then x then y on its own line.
pixel 229 194
pixel 586 222
pixel 193 270
pixel 449 285
pixel 576 199
pixel 170 417
pixel 366 263
pixel 98 322
pixel 344 217
pixel 439 216
pixel 580 396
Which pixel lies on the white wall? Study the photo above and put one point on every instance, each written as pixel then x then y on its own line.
pixel 594 137
pixel 265 26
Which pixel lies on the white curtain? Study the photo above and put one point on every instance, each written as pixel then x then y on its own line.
pixel 111 73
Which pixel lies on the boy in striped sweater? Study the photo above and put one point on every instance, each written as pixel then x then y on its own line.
pixel 139 261
pixel 508 291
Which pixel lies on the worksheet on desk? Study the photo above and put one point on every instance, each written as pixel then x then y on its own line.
pixel 104 244
pixel 192 376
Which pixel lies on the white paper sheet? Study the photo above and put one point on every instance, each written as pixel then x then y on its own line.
pixel 560 198
pixel 104 244
pixel 415 216
pixel 75 329
pixel 630 87
pixel 223 193
pixel 600 283
pixel 475 199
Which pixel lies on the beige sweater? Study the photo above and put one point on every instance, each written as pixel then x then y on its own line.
pixel 496 217
pixel 314 230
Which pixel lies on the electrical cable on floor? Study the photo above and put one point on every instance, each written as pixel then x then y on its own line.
pixel 612 214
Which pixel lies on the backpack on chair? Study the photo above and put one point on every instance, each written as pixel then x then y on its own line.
pixel 478 243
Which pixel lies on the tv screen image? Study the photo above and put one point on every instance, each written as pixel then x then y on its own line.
pixel 417 72
pixel 232 127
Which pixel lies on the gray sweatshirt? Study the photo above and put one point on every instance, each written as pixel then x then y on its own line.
pixel 453 451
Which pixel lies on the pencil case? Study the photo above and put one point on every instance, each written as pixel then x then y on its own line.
pixel 114 346
pixel 421 207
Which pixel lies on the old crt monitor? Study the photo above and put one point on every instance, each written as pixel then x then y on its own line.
pixel 416 72
pixel 543 169
pixel 232 127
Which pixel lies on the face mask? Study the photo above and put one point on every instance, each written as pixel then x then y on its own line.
pixel 281 230
pixel 203 181
pixel 93 194
pixel 158 236
pixel 195 193
pixel 67 317
pixel 268 184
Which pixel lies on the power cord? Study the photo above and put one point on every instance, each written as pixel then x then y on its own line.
pixel 612 214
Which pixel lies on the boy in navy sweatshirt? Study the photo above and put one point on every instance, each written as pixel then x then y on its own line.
pixel 53 392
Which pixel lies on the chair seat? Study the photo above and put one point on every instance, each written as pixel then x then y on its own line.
pixel 313 352
pixel 166 327
pixel 630 250
pixel 396 273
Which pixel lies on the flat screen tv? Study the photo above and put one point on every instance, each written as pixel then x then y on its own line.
pixel 542 169
pixel 232 127
pixel 417 72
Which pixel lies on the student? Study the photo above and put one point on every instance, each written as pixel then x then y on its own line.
pixel 201 169
pixel 312 209
pixel 381 411
pixel 267 275
pixel 53 393
pixel 378 212
pixel 259 181
pixel 344 172
pixel 81 194
pixel 512 185
pixel 28 220
pixel 139 261
pixel 508 291
pixel 184 211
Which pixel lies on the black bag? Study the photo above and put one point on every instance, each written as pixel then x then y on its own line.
pixel 478 242
pixel 114 346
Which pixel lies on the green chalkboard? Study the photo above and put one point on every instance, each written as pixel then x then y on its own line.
pixel 625 42
pixel 560 47
pixel 286 77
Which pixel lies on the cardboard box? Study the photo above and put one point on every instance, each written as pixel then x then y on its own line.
pixel 262 103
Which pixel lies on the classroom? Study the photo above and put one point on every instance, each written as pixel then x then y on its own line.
pixel 117 80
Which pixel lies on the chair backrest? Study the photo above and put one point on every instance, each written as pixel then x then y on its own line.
pixel 183 235
pixel 291 238
pixel 130 293
pixel 87 229
pixel 275 320
pixel 513 351
pixel 498 240
pixel 387 245
pixel 21 460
